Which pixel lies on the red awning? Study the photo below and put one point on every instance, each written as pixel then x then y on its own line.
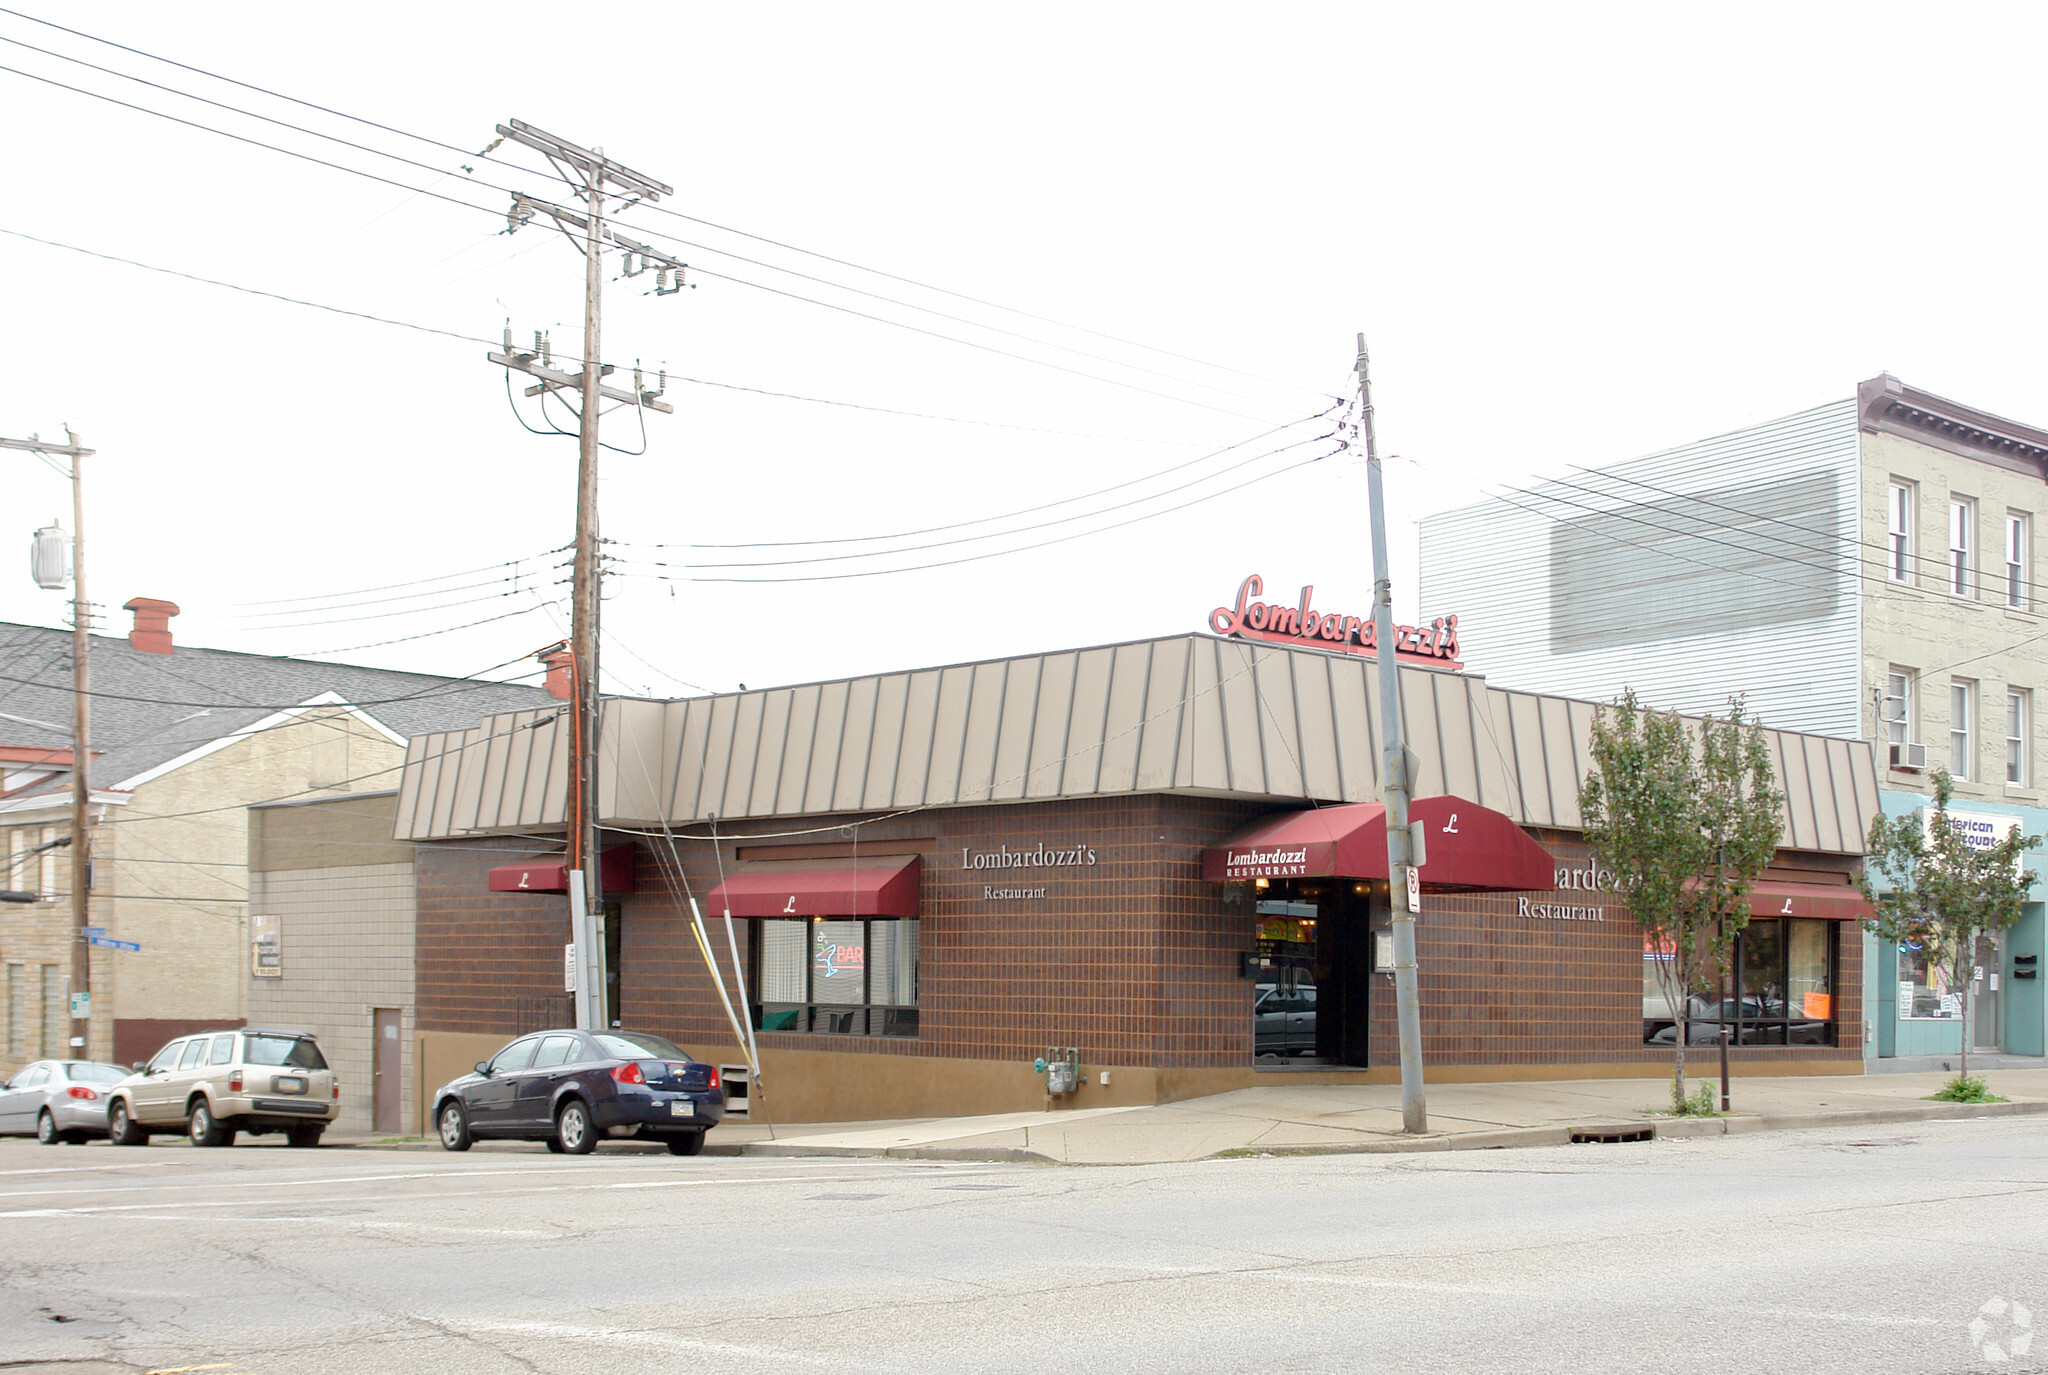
pixel 1833 901
pixel 820 888
pixel 552 875
pixel 1469 848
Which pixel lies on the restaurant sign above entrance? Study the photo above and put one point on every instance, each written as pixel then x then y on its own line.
pixel 1429 646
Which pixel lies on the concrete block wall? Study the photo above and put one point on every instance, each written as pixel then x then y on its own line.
pixel 182 872
pixel 346 946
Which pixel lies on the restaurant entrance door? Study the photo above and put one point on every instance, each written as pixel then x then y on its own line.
pixel 1312 975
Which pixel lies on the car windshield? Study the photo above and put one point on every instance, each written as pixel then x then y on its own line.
pixel 95 1074
pixel 638 1045
pixel 291 1051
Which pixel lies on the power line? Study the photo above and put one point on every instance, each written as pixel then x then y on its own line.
pixel 1009 515
pixel 493 343
pixel 709 224
pixel 410 582
pixel 267 619
pixel 706 272
pixel 1015 530
pixel 424 635
pixel 1020 549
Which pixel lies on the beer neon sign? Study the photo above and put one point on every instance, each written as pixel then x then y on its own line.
pixel 1431 646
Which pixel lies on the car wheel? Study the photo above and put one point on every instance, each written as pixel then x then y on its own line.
pixel 554 1146
pixel 121 1128
pixel 305 1138
pixel 452 1123
pixel 205 1129
pixel 46 1128
pixel 688 1144
pixel 573 1130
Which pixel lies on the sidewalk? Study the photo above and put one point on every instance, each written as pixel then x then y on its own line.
pixel 1312 1119
pixel 1323 1118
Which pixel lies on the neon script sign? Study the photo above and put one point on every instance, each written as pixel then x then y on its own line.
pixel 1434 645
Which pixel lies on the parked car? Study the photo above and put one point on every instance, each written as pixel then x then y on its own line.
pixel 58 1100
pixel 1284 1017
pixel 215 1084
pixel 570 1088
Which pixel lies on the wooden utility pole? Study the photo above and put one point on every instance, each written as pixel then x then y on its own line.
pixel 598 177
pixel 81 755
pixel 1397 773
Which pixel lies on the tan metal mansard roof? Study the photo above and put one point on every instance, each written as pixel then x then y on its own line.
pixel 1185 714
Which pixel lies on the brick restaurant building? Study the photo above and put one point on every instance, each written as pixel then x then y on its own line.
pixel 1165 855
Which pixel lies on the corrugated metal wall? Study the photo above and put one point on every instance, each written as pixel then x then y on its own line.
pixel 1720 567
pixel 1189 714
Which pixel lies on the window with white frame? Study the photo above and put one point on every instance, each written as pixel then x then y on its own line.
pixel 1899 514
pixel 1898 706
pixel 46 883
pixel 1962 528
pixel 1962 750
pixel 2018 533
pixel 2019 731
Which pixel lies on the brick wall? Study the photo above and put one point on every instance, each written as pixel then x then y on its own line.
pixel 483 958
pixel 1500 988
pixel 1134 960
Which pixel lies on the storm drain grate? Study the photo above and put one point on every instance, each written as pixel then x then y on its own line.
pixel 1612 1135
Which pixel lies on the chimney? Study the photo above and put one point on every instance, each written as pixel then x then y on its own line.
pixel 559 662
pixel 151 632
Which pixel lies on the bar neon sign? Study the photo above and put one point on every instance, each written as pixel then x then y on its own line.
pixel 1434 645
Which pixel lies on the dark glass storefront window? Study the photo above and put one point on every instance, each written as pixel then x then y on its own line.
pixel 1311 973
pixel 1781 991
pixel 851 976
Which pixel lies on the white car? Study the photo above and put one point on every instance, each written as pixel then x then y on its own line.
pixel 58 1100
pixel 216 1083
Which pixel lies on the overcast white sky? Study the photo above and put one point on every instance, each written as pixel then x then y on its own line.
pixel 1571 233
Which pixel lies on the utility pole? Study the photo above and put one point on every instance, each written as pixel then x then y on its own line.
pixel 81 757
pixel 1397 772
pixel 596 178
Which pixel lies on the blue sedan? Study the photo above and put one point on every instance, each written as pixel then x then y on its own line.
pixel 571 1088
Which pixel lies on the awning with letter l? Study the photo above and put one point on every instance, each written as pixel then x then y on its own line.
pixel 1470 848
pixel 885 887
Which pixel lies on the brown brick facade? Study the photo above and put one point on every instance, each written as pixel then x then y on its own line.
pixel 1134 959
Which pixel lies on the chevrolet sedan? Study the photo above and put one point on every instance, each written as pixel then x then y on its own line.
pixel 574 1088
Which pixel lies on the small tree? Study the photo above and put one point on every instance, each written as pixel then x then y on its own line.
pixel 1933 888
pixel 1686 820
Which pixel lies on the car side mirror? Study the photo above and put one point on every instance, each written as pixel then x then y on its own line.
pixel 139 1065
pixel 483 1067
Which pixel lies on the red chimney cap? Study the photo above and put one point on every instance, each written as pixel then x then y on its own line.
pixel 151 632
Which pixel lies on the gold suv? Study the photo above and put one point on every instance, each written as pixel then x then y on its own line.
pixel 214 1084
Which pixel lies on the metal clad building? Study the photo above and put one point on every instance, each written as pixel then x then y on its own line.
pixel 1734 554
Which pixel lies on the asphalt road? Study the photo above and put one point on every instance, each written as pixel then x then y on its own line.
pixel 1848 1250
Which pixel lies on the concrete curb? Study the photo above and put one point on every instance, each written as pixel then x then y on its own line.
pixel 1505 1138
pixel 1736 1124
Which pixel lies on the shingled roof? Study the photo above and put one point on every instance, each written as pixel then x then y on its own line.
pixel 149 709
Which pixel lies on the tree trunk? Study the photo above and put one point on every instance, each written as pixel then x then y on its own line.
pixel 1965 965
pixel 1684 1035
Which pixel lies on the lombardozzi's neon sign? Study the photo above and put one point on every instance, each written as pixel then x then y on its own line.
pixel 1434 645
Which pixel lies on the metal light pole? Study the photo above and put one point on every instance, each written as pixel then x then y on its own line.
pixel 81 756
pixel 1404 890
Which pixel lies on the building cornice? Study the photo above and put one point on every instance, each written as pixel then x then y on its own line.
pixel 1885 405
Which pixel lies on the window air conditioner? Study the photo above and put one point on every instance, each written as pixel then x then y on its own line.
pixel 1909 756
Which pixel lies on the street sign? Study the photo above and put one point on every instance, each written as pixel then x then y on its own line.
pixel 1414 889
pixel 90 931
pixel 81 1008
pixel 109 943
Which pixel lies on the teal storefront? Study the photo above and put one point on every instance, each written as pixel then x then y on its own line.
pixel 1915 1014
